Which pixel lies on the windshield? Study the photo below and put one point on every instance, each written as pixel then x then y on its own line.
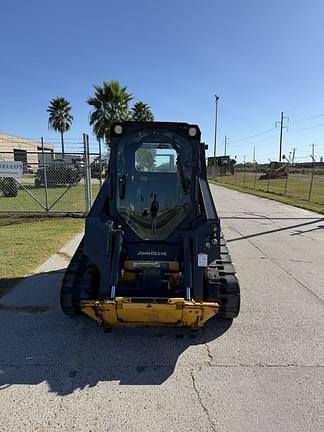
pixel 155 180
pixel 155 157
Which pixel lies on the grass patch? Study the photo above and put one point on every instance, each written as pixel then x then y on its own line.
pixel 27 243
pixel 60 199
pixel 296 191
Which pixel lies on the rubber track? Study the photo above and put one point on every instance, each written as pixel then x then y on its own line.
pixel 223 285
pixel 79 282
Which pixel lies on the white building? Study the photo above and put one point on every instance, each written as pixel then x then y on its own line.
pixel 13 148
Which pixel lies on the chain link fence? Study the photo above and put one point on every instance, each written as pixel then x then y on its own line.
pixel 300 181
pixel 52 182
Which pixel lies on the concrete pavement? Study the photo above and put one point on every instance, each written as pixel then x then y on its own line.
pixel 263 372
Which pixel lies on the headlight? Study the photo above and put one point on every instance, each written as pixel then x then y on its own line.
pixel 118 129
pixel 192 131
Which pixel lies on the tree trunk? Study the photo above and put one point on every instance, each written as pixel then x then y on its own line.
pixel 62 143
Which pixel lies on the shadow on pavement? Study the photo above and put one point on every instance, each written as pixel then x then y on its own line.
pixel 275 230
pixel 7 284
pixel 308 231
pixel 39 343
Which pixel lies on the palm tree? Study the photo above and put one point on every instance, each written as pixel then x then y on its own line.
pixel 145 158
pixel 60 117
pixel 110 104
pixel 141 112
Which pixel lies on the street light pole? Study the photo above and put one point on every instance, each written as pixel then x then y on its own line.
pixel 216 111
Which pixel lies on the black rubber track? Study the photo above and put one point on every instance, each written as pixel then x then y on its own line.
pixel 80 282
pixel 222 284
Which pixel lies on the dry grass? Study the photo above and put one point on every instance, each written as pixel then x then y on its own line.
pixel 27 243
pixel 297 192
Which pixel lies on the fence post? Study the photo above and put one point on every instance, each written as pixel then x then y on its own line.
pixel 312 179
pixel 45 176
pixel 255 176
pixel 89 174
pixel 268 186
pixel 286 184
pixel 86 189
pixel 100 163
pixel 244 174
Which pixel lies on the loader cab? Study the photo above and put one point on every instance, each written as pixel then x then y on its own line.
pixel 155 173
pixel 154 215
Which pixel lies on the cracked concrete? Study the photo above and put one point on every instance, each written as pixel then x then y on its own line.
pixel 263 372
pixel 209 354
pixel 210 421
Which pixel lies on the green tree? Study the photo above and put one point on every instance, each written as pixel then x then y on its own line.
pixel 110 104
pixel 145 159
pixel 141 112
pixel 60 118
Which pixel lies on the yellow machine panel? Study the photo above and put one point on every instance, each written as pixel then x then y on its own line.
pixel 127 312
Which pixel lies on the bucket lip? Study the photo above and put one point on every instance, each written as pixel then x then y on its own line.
pixel 144 301
pixel 143 312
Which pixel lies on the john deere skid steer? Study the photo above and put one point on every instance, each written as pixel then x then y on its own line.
pixel 153 252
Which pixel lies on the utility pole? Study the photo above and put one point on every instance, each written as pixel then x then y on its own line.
pixel 254 154
pixel 280 144
pixel 313 150
pixel 281 123
pixel 293 155
pixel 216 113
pixel 225 145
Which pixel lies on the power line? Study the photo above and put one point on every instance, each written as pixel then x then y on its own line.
pixel 271 129
pixel 311 127
pixel 255 135
pixel 255 142
pixel 307 118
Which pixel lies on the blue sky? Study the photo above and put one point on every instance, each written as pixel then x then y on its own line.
pixel 262 57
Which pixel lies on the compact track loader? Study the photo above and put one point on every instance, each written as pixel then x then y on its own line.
pixel 153 252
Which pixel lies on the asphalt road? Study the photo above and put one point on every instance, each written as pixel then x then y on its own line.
pixel 263 372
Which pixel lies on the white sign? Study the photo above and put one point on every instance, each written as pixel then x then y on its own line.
pixel 11 169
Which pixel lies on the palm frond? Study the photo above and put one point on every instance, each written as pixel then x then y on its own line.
pixel 110 104
pixel 141 112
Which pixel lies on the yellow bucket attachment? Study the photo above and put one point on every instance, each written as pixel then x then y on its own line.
pixel 140 312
